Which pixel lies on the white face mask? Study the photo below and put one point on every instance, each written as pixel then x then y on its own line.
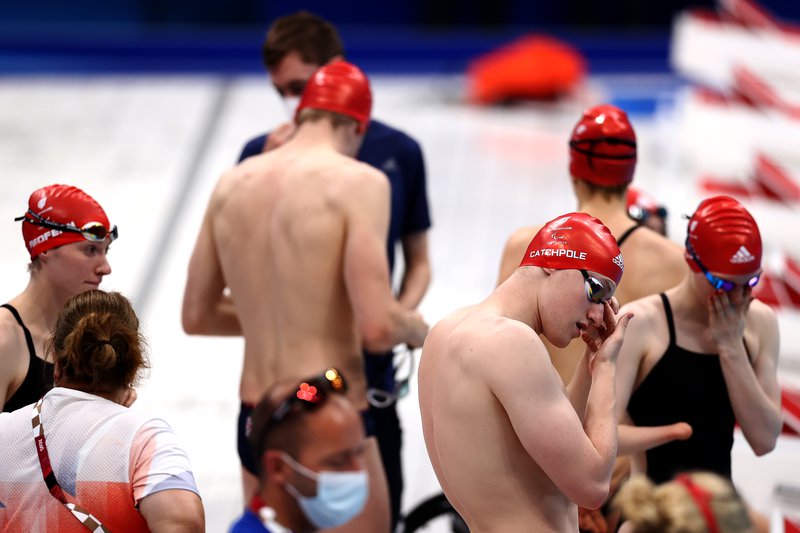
pixel 290 103
pixel 341 496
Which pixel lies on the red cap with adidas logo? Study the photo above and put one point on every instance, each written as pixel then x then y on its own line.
pixel 725 237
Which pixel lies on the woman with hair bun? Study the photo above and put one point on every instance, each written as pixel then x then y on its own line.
pixel 700 502
pixel 89 460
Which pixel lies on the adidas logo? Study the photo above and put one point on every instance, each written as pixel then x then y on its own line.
pixel 619 262
pixel 742 255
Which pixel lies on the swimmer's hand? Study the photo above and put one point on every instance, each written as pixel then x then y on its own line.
pixel 419 331
pixel 279 136
pixel 605 340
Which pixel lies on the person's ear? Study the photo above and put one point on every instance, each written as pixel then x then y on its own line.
pixel 338 57
pixel 275 467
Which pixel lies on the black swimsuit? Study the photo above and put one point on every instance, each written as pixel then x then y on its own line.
pixel 686 386
pixel 39 378
pixel 627 233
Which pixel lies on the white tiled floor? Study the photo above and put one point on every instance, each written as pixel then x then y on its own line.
pixel 151 148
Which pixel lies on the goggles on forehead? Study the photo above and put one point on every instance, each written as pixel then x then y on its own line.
pixel 719 283
pixel 596 292
pixel 641 214
pixel 309 395
pixel 91 231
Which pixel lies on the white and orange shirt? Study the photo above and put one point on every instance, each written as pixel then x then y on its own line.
pixel 106 458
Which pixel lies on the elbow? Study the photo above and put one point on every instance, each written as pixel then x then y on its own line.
pixel 377 337
pixel 192 319
pixel 378 331
pixel 764 447
pixel 592 496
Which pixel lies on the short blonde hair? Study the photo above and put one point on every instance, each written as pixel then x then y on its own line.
pixel 672 508
pixel 337 120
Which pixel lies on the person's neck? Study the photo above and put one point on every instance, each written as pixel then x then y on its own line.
pixel 684 301
pixel 517 299
pixel 39 304
pixel 288 514
pixel 115 396
pixel 321 133
pixel 610 210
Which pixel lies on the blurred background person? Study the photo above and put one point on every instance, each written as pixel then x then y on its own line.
pixel 699 502
pixel 645 210
pixel 95 456
pixel 295 47
pixel 309 443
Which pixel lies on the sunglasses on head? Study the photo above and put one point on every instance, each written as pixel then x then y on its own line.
pixel 719 283
pixel 381 398
pixel 596 292
pixel 309 395
pixel 91 231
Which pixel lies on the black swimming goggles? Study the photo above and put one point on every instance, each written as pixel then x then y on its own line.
pixel 641 214
pixel 91 231
pixel 588 147
pixel 596 292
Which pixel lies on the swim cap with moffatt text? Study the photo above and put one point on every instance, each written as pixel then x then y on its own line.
pixel 576 241
pixel 725 238
pixel 602 149
pixel 62 205
pixel 339 87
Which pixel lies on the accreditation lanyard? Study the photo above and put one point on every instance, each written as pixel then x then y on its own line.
pixel 84 517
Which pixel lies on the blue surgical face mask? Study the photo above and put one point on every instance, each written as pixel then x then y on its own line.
pixel 340 495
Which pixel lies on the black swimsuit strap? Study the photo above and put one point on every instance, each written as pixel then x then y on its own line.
pixel 28 337
pixel 670 322
pixel 627 233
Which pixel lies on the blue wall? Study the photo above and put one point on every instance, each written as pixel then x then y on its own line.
pixel 387 36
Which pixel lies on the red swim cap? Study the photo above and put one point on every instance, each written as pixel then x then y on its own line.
pixel 725 237
pixel 340 87
pixel 602 149
pixel 576 241
pixel 641 205
pixel 60 204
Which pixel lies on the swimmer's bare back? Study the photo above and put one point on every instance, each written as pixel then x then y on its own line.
pixel 293 229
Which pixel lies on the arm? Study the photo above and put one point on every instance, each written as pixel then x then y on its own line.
pixel 207 310
pixel 752 386
pixel 173 511
pixel 381 321
pixel 417 274
pixel 634 439
pixel 577 457
pixel 158 461
pixel 513 251
pixel 10 358
pixel 581 381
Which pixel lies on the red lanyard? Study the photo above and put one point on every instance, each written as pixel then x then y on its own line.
pixel 702 498
pixel 84 517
